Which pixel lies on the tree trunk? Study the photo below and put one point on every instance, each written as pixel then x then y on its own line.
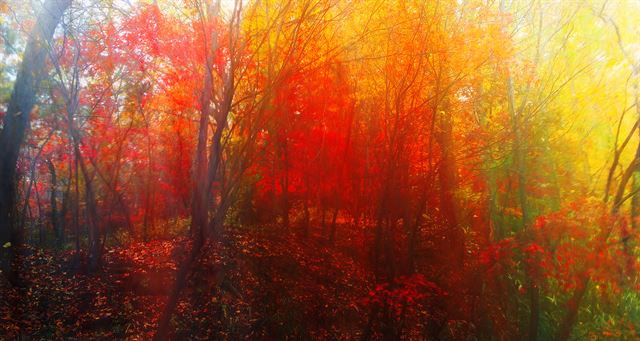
pixel 204 176
pixel 307 213
pixel 55 216
pixel 285 205
pixel 92 211
pixel 162 332
pixel 63 214
pixel 16 119
pixel 414 234
pixel 447 178
pixel 635 202
pixel 76 208
pixel 519 163
pixel 334 218
pixel 569 319
pixel 39 220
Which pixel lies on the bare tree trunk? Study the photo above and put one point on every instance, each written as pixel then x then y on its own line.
pixel 76 208
pixel 323 217
pixel 519 163
pixel 204 175
pixel 63 211
pixel 16 120
pixel 569 319
pixel 55 216
pixel 635 198
pixel 447 180
pixel 39 220
pixel 199 211
pixel 90 198
pixel 162 332
pixel 307 214
pixel 92 211
pixel 414 233
pixel 334 218
pixel 379 267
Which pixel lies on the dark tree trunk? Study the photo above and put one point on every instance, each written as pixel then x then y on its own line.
pixel 95 248
pixel 447 180
pixel 63 213
pixel 307 214
pixel 414 236
pixel 285 205
pixel 92 211
pixel 39 220
pixel 16 119
pixel 323 218
pixel 573 306
pixel 55 216
pixel 76 208
pixel 162 332
pixel 334 219
pixel 205 171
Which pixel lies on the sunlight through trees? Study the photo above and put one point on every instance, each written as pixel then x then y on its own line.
pixel 319 169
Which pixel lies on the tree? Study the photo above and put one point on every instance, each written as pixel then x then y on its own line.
pixel 16 120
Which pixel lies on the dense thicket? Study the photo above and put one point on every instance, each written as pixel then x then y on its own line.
pixel 319 169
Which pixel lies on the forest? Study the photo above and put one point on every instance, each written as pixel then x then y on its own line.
pixel 319 169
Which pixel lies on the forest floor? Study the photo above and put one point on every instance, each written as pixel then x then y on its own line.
pixel 258 283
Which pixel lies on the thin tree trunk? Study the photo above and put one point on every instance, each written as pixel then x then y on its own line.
pixel 201 185
pixel 90 199
pixel 635 200
pixel 92 212
pixel 323 218
pixel 55 216
pixel 334 218
pixel 41 227
pixel 414 234
pixel 518 155
pixel 447 180
pixel 307 214
pixel 63 212
pixel 76 208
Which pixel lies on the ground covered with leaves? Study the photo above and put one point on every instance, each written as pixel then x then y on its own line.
pixel 256 283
